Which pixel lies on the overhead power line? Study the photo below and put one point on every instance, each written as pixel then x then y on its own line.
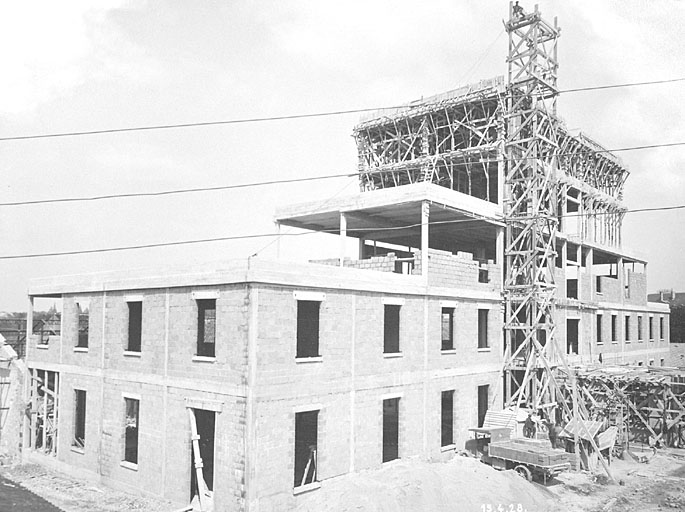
pixel 305 179
pixel 282 117
pixel 176 191
pixel 266 235
pixel 615 86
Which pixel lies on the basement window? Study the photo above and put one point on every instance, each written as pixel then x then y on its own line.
pixel 391 329
pixel 447 328
pixel 131 430
pixel 447 419
pixel 308 328
pixel 206 327
pixel 391 429
pixel 639 328
pixel 79 440
pixel 82 326
pixel 599 328
pixel 614 337
pixel 135 325
pixel 306 438
pixel 483 328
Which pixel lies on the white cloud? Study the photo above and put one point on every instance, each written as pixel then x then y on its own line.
pixel 47 44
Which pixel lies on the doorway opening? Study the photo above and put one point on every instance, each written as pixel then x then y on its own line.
pixel 202 428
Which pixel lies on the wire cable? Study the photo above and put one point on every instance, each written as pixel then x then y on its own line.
pixel 313 178
pixel 330 231
pixel 278 118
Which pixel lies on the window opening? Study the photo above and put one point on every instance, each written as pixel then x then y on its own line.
pixel 447 328
pixel 206 327
pixel 391 323
pixel 306 438
pixel 391 431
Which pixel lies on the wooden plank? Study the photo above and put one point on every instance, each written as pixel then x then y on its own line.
pixel 198 459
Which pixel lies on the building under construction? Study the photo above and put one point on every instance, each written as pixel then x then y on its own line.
pixel 490 261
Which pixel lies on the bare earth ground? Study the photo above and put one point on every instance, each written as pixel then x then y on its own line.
pixel 71 495
pixel 462 484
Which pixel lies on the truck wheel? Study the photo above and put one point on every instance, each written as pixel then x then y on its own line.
pixel 524 472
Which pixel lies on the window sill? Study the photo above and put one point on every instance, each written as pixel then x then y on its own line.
pixel 614 342
pixel 448 351
pixel 392 355
pixel 43 346
pixel 80 349
pixel 306 488
pixel 315 359
pixel 76 449
pixel 448 448
pixel 600 343
pixel 204 359
pixel 131 353
pixel 485 349
pixel 129 465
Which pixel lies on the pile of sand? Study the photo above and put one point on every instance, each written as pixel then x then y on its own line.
pixel 462 484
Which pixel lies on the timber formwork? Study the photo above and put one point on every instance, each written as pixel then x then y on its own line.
pixel 647 405
pixel 452 140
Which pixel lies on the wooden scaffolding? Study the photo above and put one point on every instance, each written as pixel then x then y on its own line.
pixel 531 211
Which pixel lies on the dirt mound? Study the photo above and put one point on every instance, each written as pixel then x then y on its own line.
pixel 462 484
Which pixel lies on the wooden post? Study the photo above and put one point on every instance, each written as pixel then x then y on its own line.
pixel 425 218
pixel 574 387
pixel 195 438
pixel 343 236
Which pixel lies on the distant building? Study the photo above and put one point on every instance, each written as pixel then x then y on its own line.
pixel 676 302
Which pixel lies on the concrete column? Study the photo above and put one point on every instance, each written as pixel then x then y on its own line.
pixel 590 262
pixel 499 255
pixel 343 236
pixel 278 240
pixel 361 248
pixel 500 179
pixel 425 218
pixel 621 280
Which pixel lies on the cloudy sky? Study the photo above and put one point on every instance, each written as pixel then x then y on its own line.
pixel 83 65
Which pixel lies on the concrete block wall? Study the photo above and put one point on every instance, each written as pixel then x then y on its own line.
pixel 622 351
pixel 611 291
pixel 150 359
pixel 637 289
pixel 348 383
pixel 459 271
pixel 466 352
pixel 586 284
pixel 162 378
pixel 385 263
